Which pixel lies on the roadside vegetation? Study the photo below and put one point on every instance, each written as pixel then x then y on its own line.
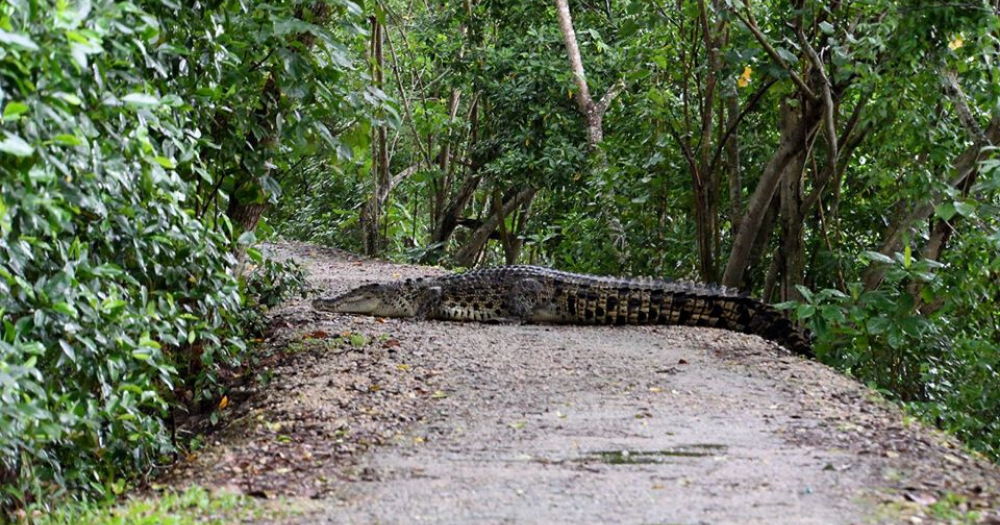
pixel 836 158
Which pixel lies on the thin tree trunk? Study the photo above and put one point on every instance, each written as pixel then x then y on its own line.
pixel 592 112
pixel 444 187
pixel 444 227
pixel 794 130
pixel 246 215
pixel 792 245
pixel 733 163
pixel 371 214
pixel 477 241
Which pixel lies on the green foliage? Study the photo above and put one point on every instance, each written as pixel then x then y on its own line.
pixel 270 92
pixel 119 298
pixel 108 281
pixel 877 335
pixel 193 506
pixel 320 208
pixel 267 284
pixel 630 206
pixel 942 364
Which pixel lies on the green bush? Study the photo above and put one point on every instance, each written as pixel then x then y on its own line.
pixel 114 295
pixel 937 354
pixel 268 283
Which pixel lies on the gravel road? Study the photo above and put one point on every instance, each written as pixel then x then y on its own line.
pixel 362 420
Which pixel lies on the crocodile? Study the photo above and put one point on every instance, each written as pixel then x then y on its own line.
pixel 533 294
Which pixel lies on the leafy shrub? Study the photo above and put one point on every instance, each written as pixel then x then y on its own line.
pixel 937 354
pixel 267 284
pixel 113 294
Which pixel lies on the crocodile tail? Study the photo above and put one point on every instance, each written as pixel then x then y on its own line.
pixel 775 326
pixel 742 314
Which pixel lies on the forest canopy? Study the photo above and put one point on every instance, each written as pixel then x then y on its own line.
pixel 836 158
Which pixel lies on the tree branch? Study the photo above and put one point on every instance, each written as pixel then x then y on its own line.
pixel 583 100
pixel 829 114
pixel 610 96
pixel 957 96
pixel 735 124
pixel 406 100
pixel 752 26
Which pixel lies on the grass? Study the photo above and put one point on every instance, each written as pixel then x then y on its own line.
pixel 950 509
pixel 195 505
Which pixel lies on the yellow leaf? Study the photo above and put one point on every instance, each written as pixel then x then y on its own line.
pixel 744 79
pixel 956 42
pixel 224 402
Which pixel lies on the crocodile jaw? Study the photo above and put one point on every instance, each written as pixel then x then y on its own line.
pixel 381 300
pixel 346 304
pixel 364 300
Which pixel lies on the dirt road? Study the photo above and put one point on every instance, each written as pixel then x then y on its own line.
pixel 399 421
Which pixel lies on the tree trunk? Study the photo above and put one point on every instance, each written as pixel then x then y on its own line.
pixel 794 130
pixel 245 216
pixel 371 214
pixel 733 163
pixel 455 208
pixel 467 255
pixel 792 245
pixel 591 111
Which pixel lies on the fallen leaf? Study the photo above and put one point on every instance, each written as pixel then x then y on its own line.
pixel 318 334
pixel 439 394
pixel 655 389
pixel 402 367
pixel 952 459
pixel 391 343
pixel 224 402
pixel 921 498
pixel 517 425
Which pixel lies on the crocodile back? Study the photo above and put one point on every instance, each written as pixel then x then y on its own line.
pixel 537 294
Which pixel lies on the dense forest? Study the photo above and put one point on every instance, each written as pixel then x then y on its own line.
pixel 836 158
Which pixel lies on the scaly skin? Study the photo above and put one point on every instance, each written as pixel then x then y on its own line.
pixel 534 294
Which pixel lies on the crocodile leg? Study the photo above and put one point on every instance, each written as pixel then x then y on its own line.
pixel 430 302
pixel 523 299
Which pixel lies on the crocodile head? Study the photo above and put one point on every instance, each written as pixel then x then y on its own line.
pixel 397 299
